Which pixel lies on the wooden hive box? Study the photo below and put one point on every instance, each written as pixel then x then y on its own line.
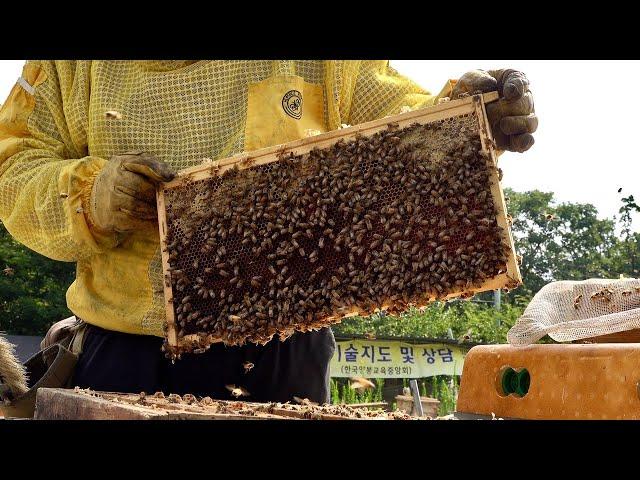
pixel 388 214
pixel 81 404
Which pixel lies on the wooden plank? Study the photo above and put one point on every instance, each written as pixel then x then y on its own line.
pixel 513 271
pixel 166 280
pixel 186 411
pixel 61 404
pixel 64 404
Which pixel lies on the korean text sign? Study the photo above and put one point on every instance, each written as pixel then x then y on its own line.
pixel 395 359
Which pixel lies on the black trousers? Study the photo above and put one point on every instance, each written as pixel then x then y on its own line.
pixel 120 362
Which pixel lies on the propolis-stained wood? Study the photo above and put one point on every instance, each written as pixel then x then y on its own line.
pixel 233 276
pixel 65 404
pixel 566 381
pixel 83 404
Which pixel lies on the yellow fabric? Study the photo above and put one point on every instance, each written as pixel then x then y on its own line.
pixel 280 109
pixel 54 142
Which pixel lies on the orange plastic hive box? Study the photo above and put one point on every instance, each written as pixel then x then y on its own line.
pixel 569 381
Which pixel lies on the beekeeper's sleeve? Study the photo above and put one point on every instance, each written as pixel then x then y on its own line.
pixel 381 91
pixel 45 173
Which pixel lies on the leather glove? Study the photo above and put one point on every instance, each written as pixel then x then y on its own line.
pixel 123 197
pixel 512 117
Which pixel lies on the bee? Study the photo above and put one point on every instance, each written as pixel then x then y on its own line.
pixel 576 301
pixel 304 401
pixel 175 398
pixel 247 162
pixel 361 383
pixel 188 398
pixel 113 115
pixel 247 366
pixel 237 391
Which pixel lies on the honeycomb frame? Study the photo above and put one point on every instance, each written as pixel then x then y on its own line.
pixel 468 108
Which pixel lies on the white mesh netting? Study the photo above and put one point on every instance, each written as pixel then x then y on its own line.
pixel 570 310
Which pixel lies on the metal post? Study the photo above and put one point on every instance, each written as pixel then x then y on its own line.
pixel 496 299
pixel 417 403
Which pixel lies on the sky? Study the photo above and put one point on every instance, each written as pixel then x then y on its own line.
pixel 587 135
pixel 585 145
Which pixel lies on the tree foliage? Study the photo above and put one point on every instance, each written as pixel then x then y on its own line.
pixel 568 241
pixel 32 288
pixel 560 242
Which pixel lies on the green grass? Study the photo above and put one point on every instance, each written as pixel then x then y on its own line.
pixel 443 387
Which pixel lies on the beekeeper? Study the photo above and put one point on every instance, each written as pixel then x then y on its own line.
pixel 83 145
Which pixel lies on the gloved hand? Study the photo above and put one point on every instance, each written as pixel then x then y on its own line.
pixel 123 197
pixel 512 117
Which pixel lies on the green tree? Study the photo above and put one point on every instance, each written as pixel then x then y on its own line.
pixel 32 288
pixel 466 320
pixel 559 242
pixel 626 255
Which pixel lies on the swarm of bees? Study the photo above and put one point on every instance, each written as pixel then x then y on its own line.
pixel 605 294
pixel 373 223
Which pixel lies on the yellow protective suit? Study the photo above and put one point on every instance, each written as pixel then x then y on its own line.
pixel 55 138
